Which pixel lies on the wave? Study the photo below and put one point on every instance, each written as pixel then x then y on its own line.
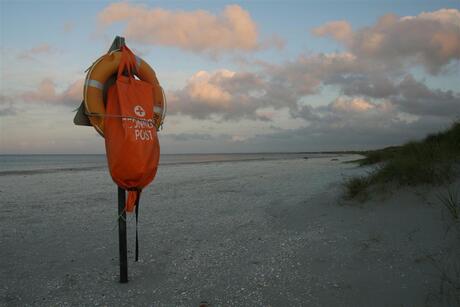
pixel 49 170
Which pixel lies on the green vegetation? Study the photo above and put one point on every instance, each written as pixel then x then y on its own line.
pixel 429 161
pixel 356 186
pixel 452 202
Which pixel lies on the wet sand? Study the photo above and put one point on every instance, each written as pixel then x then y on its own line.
pixel 254 233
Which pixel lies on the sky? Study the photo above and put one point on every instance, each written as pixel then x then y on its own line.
pixel 244 76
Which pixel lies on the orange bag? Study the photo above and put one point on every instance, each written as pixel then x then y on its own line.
pixel 131 140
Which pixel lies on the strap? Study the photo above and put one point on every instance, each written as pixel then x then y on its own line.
pixel 136 257
pixel 127 61
pixel 133 195
pixel 124 63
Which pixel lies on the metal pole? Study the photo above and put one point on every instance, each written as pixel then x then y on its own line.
pixel 122 237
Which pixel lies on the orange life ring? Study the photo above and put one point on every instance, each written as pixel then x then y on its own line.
pixel 98 74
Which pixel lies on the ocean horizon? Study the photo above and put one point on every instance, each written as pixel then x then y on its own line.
pixel 29 164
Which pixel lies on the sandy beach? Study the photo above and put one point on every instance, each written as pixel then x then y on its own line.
pixel 248 233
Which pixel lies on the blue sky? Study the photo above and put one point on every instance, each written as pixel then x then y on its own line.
pixel 284 97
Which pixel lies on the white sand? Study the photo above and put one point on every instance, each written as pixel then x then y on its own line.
pixel 252 233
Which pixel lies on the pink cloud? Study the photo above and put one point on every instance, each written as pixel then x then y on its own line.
pixel 46 93
pixel 339 30
pixel 430 39
pixel 224 93
pixel 352 105
pixel 40 49
pixel 197 31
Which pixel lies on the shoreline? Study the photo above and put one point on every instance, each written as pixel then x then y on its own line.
pixel 164 163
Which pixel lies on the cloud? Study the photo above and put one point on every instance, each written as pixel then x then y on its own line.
pixel 362 85
pixel 185 137
pixel 233 95
pixel 239 138
pixel 378 102
pixel 347 134
pixel 41 49
pixel 408 94
pixel 47 93
pixel 306 74
pixel 351 123
pixel 7 107
pixel 416 98
pixel 223 93
pixel 430 39
pixel 352 114
pixel 372 84
pixel 352 105
pixel 68 27
pixel 339 30
pixel 197 31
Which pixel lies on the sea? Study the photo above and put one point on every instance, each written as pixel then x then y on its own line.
pixel 52 163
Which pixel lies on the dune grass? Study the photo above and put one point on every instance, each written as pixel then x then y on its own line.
pixel 429 161
pixel 356 186
pixel 451 202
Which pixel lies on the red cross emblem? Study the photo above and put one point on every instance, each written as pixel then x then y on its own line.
pixel 139 111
